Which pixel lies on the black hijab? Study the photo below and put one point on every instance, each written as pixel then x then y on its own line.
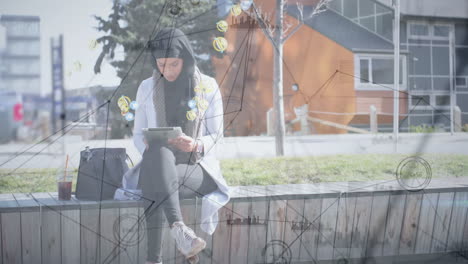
pixel 172 43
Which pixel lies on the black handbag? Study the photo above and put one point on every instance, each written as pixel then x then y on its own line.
pixel 100 173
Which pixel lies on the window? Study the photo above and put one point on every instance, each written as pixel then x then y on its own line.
pixel 460 81
pixel 425 30
pixel 378 69
pixel 430 101
pixel 364 66
pixel 350 8
pixel 366 8
pixel 420 60
pixel 368 14
pixel 442 100
pixel 336 5
pixel 420 100
pixel 419 29
pixel 20 28
pixel 441 30
pixel 382 71
pixel 440 60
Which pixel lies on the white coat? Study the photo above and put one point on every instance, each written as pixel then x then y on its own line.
pixel 145 116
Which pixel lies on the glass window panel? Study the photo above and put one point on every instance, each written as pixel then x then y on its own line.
pixel 461 34
pixel 420 83
pixel 350 8
pixel 366 8
pixel 440 61
pixel 24 67
pixel 403 25
pixel 336 5
pixel 440 42
pixel 441 30
pixel 16 28
pixel 368 22
pixel 420 60
pixel 364 69
pixel 382 71
pixel 461 102
pixel 442 100
pixel 420 100
pixel 419 41
pixel 29 48
pixel 419 30
pixel 423 117
pixel 384 26
pixel 460 81
pixel 442 83
pixel 382 9
pixel 442 119
pixel 462 61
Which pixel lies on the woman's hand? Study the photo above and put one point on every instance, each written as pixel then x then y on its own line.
pixel 183 143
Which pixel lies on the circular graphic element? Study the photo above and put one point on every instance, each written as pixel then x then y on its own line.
pixel 277 251
pixel 129 116
pixel 129 230
pixel 202 104
pixel 222 26
pixel 245 4
pixel 236 10
pixel 220 44
pixel 192 104
pixel 134 105
pixel 191 115
pixel 174 10
pixel 414 173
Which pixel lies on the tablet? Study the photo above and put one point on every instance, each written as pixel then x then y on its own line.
pixel 161 133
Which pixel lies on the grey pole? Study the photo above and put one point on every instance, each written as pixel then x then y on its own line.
pixel 396 73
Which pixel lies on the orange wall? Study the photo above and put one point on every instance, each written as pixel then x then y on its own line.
pixel 310 59
pixel 383 102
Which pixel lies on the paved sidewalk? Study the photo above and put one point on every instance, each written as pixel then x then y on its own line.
pixel 250 147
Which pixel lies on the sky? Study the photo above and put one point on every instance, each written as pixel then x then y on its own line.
pixel 74 19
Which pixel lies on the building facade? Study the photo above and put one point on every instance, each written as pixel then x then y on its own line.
pixel 20 58
pixel 342 60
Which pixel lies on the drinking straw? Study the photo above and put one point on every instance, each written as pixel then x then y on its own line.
pixel 66 166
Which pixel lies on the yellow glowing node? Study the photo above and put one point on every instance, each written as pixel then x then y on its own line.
pixel 202 104
pixel 124 104
pixel 207 88
pixel 203 88
pixel 222 26
pixel 220 44
pixel 191 115
pixel 236 10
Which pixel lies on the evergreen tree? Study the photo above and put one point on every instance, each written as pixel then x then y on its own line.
pixel 132 24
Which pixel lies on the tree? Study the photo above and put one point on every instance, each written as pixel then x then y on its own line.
pixel 278 33
pixel 132 24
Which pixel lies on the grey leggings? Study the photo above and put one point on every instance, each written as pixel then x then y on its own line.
pixel 165 177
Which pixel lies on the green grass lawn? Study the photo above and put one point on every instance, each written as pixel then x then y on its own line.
pixel 268 171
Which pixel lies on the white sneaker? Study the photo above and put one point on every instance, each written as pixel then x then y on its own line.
pixel 187 241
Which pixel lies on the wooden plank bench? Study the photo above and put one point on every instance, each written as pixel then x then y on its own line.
pixel 308 223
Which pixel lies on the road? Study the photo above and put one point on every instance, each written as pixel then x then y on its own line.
pixel 245 147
